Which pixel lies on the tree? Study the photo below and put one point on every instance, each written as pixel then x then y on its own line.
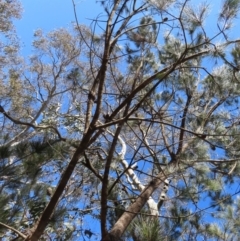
pixel 133 121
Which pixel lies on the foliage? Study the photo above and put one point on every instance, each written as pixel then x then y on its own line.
pixel 126 129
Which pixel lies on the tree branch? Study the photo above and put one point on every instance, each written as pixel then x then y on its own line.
pixel 185 112
pixel 14 230
pixel 18 122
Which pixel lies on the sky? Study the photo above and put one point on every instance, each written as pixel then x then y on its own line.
pixel 51 14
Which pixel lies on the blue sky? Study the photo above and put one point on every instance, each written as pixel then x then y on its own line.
pixel 51 14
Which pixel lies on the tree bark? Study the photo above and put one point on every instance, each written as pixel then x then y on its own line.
pixel 120 226
pixel 42 223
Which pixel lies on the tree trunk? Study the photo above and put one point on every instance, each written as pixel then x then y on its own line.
pixel 43 221
pixel 121 225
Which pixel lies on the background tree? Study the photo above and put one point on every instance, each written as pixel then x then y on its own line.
pixel 133 121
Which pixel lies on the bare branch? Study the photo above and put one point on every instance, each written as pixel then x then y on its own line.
pixel 13 229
